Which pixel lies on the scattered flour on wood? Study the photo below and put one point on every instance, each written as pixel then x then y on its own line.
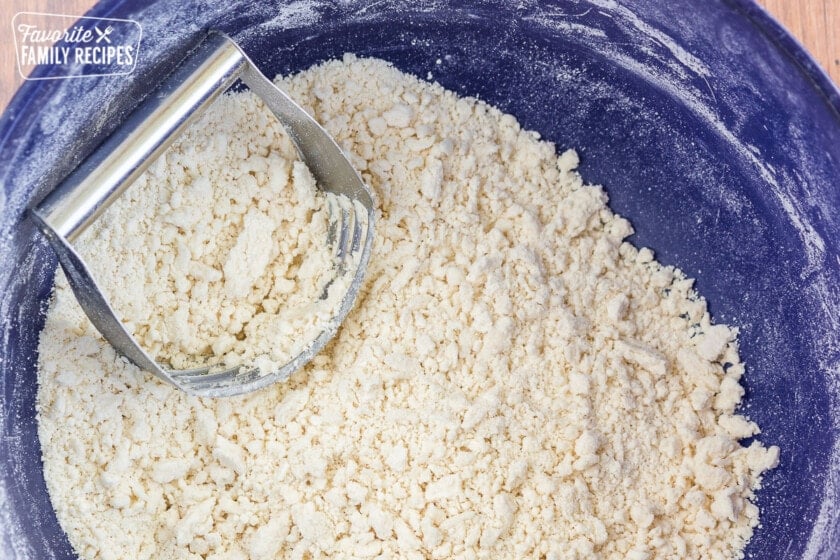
pixel 516 381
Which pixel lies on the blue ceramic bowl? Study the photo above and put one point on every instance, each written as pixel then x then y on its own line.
pixel 711 129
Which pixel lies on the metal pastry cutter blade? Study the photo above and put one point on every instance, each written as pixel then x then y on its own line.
pixel 210 69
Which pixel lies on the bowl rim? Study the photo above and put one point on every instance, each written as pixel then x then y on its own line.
pixel 32 90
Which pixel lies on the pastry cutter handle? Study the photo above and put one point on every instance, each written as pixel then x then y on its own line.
pixel 78 201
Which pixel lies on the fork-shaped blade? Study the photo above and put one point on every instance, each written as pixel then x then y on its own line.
pixel 81 198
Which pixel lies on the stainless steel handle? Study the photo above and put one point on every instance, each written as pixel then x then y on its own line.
pixel 207 72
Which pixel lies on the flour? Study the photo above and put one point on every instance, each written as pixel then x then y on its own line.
pixel 516 381
pixel 219 253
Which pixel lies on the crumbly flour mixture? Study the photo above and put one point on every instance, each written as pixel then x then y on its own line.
pixel 218 254
pixel 516 381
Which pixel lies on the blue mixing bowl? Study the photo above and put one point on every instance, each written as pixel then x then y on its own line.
pixel 711 129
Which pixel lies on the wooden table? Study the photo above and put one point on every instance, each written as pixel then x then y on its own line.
pixel 816 23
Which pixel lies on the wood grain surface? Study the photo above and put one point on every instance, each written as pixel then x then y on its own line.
pixel 816 23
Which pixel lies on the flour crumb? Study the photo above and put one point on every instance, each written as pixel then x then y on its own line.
pixel 218 255
pixel 516 381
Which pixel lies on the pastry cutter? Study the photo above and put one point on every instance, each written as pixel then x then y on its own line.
pixel 210 69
